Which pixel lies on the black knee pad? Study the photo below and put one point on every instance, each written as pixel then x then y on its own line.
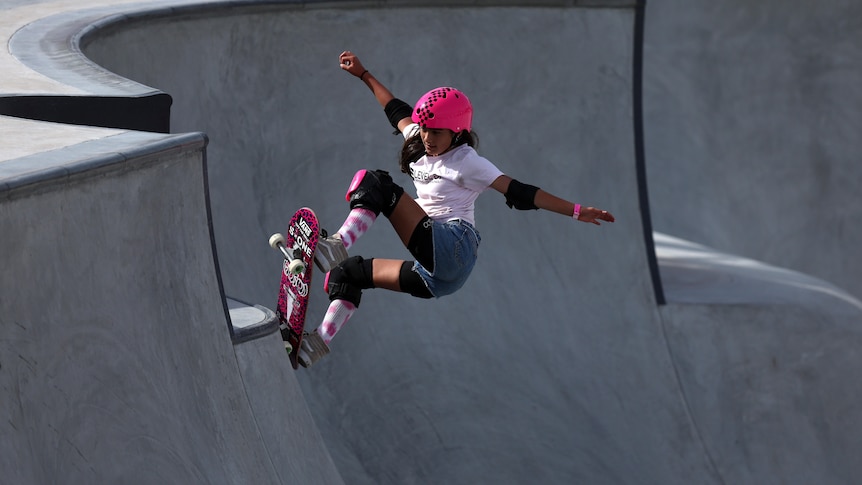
pixel 412 283
pixel 421 244
pixel 347 280
pixel 375 191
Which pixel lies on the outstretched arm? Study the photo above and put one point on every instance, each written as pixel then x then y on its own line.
pixel 547 201
pixel 399 116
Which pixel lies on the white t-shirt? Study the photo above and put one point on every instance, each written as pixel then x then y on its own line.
pixel 447 185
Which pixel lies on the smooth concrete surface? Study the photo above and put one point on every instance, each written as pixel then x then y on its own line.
pixel 694 273
pixel 116 363
pixel 484 385
pixel 55 64
pixel 752 120
pixel 560 371
pixel 41 137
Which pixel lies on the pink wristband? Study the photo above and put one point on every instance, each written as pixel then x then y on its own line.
pixel 577 212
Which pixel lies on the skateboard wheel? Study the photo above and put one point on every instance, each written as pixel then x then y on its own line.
pixel 296 267
pixel 287 347
pixel 275 240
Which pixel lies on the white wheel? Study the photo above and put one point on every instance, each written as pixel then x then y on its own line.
pixel 275 240
pixel 296 267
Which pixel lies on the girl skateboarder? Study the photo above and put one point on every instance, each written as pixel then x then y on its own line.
pixel 438 226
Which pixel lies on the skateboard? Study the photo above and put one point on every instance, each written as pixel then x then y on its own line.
pixel 298 248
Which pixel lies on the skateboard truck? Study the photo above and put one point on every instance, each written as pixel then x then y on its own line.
pixel 295 265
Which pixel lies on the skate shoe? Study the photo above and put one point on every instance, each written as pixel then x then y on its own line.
pixel 312 349
pixel 330 251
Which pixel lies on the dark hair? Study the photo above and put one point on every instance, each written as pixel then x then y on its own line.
pixel 413 149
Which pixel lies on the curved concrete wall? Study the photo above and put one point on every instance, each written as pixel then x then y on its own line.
pixel 481 390
pixel 115 363
pixel 752 118
pixel 564 370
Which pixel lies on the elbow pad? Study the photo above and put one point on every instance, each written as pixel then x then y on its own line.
pixel 521 196
pixel 396 110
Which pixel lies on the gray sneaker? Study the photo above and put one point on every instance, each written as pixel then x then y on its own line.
pixel 330 251
pixel 312 349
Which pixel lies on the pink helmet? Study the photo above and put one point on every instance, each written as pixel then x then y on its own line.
pixel 444 108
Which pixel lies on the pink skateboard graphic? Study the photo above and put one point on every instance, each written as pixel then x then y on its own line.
pixel 298 249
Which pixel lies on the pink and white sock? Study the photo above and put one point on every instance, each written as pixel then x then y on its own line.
pixel 357 222
pixel 338 313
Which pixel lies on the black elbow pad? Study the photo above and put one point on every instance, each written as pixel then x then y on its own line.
pixel 396 110
pixel 521 196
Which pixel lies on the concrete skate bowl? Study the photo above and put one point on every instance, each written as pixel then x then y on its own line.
pixel 759 100
pixel 555 363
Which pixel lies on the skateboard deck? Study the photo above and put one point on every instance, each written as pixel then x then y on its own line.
pixel 298 248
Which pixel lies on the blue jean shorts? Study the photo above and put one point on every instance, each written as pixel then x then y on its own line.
pixel 456 247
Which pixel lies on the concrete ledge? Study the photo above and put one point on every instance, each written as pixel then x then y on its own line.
pixel 250 321
pixel 51 43
pixel 696 274
pixel 27 174
pixel 601 357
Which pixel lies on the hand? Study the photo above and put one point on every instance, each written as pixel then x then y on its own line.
pixel 350 63
pixel 593 215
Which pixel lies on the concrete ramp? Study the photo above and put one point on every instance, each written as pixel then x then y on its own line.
pixel 762 354
pixel 116 363
pixel 551 364
pixel 556 363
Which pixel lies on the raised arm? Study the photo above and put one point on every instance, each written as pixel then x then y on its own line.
pixel 396 110
pixel 524 197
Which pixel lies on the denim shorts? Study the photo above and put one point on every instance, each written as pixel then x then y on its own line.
pixel 456 247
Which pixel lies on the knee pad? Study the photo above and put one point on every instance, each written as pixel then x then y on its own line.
pixel 347 280
pixel 412 283
pixel 375 191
